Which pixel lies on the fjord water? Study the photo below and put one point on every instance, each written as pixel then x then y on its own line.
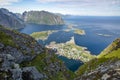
pixel 94 26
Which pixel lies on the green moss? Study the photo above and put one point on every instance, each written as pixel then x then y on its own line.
pixel 6 39
pixel 38 62
pixel 42 63
pixel 4 74
pixel 93 64
pixel 113 46
pixel 43 35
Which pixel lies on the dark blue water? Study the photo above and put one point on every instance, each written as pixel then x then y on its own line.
pixel 70 63
pixel 92 26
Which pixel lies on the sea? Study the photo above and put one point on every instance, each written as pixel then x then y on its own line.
pixel 100 32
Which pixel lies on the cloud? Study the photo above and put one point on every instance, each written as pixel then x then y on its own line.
pixel 80 1
pixel 7 2
pixel 107 7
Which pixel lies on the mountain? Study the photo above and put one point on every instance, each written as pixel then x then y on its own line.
pixel 42 17
pixel 23 58
pixel 18 15
pixel 105 67
pixel 9 19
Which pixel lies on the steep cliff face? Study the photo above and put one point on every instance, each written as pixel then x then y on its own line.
pixel 9 19
pixel 22 58
pixel 42 17
pixel 105 67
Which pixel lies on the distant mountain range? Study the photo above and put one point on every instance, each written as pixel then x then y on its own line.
pixel 9 19
pixel 17 21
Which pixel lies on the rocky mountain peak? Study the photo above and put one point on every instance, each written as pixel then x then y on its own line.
pixel 9 19
pixel 42 17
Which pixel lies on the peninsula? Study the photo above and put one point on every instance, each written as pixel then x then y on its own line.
pixel 71 50
pixel 43 35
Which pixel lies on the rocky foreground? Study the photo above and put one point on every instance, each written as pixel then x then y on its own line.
pixel 22 58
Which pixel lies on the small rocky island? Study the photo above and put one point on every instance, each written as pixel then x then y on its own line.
pixel 71 50
pixel 79 31
pixel 43 35
pixel 104 35
pixel 71 27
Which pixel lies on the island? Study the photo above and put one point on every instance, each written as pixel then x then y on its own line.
pixel 43 35
pixel 105 35
pixel 79 31
pixel 71 50
pixel 71 27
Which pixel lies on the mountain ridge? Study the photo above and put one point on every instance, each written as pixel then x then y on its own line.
pixel 42 17
pixel 105 67
pixel 9 19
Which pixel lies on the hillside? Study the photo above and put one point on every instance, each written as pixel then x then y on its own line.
pixel 105 67
pixel 22 58
pixel 42 17
pixel 9 19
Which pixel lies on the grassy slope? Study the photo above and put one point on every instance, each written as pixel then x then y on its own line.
pixel 6 39
pixel 111 53
pixel 42 63
pixel 113 46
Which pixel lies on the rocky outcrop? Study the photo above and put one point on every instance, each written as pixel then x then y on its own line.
pixel 42 17
pixel 105 67
pixel 22 58
pixel 109 70
pixel 14 49
pixel 9 19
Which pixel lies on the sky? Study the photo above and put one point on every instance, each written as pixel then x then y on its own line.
pixel 73 7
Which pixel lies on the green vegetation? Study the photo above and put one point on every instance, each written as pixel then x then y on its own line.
pixel 79 31
pixel 42 17
pixel 43 61
pixel 114 46
pixel 93 64
pixel 111 53
pixel 3 74
pixel 6 39
pixel 72 51
pixel 43 35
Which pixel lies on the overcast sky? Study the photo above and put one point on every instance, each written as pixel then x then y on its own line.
pixel 75 7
